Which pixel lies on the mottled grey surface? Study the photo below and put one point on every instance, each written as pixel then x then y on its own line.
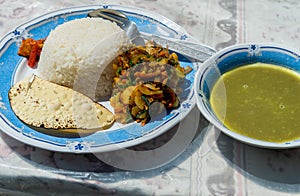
pixel 213 164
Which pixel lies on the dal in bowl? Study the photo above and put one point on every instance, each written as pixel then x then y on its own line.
pixel 251 92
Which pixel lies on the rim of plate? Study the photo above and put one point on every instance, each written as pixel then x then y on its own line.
pixel 6 126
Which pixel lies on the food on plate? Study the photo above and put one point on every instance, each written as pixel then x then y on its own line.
pixel 150 53
pixel 146 75
pixel 44 104
pixel 78 54
pixel 135 101
pixel 260 101
pixel 94 57
pixel 31 49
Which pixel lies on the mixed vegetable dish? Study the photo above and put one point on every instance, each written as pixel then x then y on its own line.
pixel 146 75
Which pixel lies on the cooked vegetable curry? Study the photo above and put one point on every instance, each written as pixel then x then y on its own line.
pixel 146 75
pixel 261 101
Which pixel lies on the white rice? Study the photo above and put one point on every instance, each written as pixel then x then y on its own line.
pixel 77 53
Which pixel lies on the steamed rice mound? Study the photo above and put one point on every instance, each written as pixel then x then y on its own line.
pixel 78 54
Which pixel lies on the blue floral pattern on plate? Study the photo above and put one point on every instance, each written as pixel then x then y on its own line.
pixel 13 69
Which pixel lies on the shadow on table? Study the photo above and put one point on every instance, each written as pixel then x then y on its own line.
pixel 89 166
pixel 271 168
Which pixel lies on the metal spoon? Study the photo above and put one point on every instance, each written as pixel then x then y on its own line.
pixel 121 19
pixel 189 49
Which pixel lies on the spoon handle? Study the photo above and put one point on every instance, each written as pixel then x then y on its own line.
pixel 192 50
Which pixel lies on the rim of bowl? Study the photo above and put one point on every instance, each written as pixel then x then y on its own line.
pixel 212 118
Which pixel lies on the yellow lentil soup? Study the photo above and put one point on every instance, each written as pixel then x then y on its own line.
pixel 261 101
